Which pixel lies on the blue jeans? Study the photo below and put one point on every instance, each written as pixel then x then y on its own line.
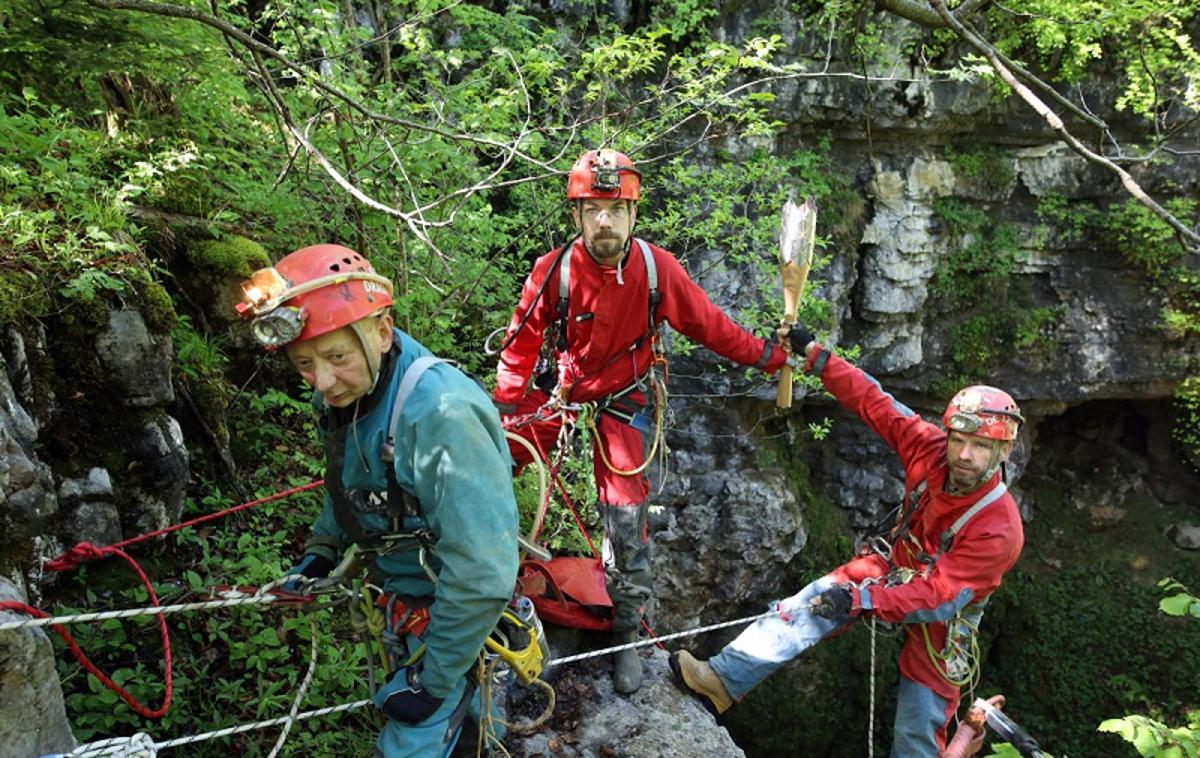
pixel 770 642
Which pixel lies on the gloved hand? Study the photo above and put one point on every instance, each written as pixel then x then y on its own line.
pixel 798 337
pixel 312 566
pixel 832 603
pixel 404 699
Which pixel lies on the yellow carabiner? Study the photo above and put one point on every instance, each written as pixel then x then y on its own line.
pixel 526 662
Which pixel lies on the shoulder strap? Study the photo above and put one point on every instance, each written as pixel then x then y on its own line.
pixel 983 502
pixel 564 291
pixel 408 383
pixel 651 279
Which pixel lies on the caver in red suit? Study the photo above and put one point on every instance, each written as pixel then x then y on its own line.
pixel 603 348
pixel 958 532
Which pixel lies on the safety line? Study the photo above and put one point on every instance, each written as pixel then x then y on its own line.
pixel 346 707
pixel 260 598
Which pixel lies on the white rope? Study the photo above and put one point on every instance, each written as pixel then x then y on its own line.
pixel 656 640
pixel 871 707
pixel 308 677
pixel 260 597
pixel 345 707
pixel 140 745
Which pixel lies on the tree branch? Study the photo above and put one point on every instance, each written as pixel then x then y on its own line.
pixel 1188 237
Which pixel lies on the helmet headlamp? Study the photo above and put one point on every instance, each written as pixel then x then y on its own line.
pixel 967 423
pixel 278 326
pixel 607 171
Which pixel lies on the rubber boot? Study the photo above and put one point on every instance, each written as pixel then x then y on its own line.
pixel 698 678
pixel 627 665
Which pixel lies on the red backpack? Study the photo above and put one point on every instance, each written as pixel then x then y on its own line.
pixel 568 591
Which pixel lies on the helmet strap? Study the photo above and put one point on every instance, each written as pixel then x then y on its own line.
pixel 374 359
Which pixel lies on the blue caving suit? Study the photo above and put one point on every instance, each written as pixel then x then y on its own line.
pixel 450 452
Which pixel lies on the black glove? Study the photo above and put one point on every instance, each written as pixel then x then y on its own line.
pixel 312 566
pixel 798 338
pixel 832 603
pixel 404 699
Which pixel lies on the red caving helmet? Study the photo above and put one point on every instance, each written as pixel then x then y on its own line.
pixel 310 292
pixel 983 411
pixel 604 174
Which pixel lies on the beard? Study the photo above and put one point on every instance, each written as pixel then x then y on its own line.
pixel 606 247
pixel 964 477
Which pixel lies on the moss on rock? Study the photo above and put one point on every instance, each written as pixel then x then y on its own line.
pixel 233 256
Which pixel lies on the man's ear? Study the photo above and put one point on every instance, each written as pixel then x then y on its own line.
pixel 383 325
pixel 1006 450
pixel 575 217
pixel 632 215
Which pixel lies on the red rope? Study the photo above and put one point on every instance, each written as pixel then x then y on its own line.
pixel 562 488
pixel 95 552
pixel 85 551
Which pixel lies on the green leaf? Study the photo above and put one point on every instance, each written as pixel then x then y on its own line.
pixel 1176 605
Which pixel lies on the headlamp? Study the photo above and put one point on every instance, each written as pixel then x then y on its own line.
pixel 608 172
pixel 967 423
pixel 278 326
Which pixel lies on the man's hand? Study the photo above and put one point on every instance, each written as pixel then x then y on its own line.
pixel 832 603
pixel 404 699
pixel 313 566
pixel 794 338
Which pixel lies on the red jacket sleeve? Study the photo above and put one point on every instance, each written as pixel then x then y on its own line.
pixel 901 428
pixel 517 361
pixel 688 309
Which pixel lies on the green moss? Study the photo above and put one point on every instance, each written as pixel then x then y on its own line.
pixel 21 296
pixel 232 256
pixel 989 166
pixel 154 303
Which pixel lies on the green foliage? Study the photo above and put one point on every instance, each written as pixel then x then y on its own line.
pixel 1151 737
pixel 1071 36
pixel 1181 603
pixel 987 166
pixel 1142 238
pixel 976 278
pixel 1084 642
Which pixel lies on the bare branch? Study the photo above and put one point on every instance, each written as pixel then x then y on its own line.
pixel 1188 236
pixel 920 11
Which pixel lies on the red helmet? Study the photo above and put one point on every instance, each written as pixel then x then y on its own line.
pixel 604 174
pixel 310 292
pixel 983 411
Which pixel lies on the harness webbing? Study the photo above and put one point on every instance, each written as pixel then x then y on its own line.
pixel 564 291
pixel 948 536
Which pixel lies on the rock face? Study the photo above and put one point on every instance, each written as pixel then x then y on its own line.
pixel 592 721
pixel 33 720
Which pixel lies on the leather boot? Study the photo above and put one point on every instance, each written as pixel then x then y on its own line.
pixel 698 678
pixel 627 666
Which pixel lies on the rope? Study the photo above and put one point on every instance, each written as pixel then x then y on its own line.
pixel 140 745
pixel 871 706
pixel 660 400
pixel 261 597
pixel 230 731
pixel 308 677
pixel 293 717
pixel 665 638
pixel 44 619
pixel 85 551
